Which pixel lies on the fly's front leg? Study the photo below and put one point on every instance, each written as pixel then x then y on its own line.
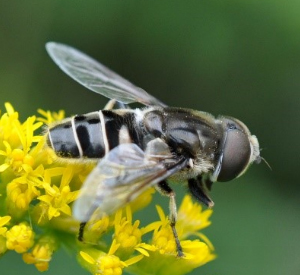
pixel 115 104
pixel 165 189
pixel 198 190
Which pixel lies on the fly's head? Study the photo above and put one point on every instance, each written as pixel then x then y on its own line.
pixel 238 150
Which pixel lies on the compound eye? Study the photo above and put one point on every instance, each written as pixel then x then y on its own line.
pixel 236 155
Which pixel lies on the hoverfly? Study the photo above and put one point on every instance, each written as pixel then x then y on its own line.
pixel 139 148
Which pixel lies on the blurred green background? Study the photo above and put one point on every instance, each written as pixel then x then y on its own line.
pixel 238 58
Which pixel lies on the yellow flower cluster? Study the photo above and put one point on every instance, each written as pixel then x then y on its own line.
pixel 36 193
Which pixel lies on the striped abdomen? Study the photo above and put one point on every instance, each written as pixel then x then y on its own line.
pixel 92 135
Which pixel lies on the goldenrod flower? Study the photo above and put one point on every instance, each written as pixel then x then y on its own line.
pixel 128 234
pixel 16 135
pixel 3 221
pixel 35 186
pixel 191 218
pixel 96 229
pixel 164 259
pixel 57 199
pixel 7 131
pixel 40 257
pixel 3 247
pixel 41 253
pixel 101 263
pixel 22 190
pixel 50 117
pixel 163 238
pixel 20 238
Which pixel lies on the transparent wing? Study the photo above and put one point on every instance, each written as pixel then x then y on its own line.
pixel 96 77
pixel 122 175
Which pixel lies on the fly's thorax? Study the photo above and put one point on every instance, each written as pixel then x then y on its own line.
pixel 238 150
pixel 192 134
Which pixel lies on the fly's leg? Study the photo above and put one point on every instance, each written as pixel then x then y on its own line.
pixel 198 190
pixel 115 104
pixel 82 225
pixel 165 189
pixel 81 231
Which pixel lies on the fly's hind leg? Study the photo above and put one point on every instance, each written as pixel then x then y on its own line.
pixel 81 231
pixel 115 104
pixel 165 189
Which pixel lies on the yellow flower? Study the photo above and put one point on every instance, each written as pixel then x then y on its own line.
pixel 40 257
pixel 163 238
pixel 7 131
pixel 57 199
pixel 128 235
pixel 196 253
pixel 101 263
pixel 191 218
pixel 164 259
pixel 16 159
pixel 22 190
pixel 17 142
pixel 19 238
pixel 3 247
pixel 162 255
pixel 50 117
pixel 3 221
pixel 95 229
pixel 41 253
